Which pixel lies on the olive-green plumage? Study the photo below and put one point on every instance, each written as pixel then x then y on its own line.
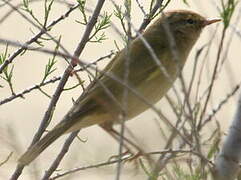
pixel 145 76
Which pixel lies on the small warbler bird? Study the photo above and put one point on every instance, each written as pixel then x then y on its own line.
pixel 102 103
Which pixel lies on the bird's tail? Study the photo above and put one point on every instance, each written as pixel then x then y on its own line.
pixel 72 118
pixel 35 150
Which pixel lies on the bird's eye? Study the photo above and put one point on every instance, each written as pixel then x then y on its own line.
pixel 190 21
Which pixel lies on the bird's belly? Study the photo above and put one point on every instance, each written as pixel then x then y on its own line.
pixel 152 90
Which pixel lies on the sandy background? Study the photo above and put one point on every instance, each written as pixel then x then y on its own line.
pixel 22 116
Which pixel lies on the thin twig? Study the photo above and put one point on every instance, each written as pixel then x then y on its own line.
pixel 66 75
pixel 63 81
pixel 7 159
pixel 28 90
pixel 125 92
pixel 220 105
pixel 53 80
pixel 35 38
pixel 11 11
pixel 60 156
pixel 148 19
pixel 126 158
pixel 141 8
pixel 213 77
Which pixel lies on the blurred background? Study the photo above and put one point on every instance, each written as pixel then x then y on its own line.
pixel 20 118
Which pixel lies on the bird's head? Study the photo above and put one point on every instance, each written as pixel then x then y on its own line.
pixel 184 23
pixel 175 32
pixel 183 26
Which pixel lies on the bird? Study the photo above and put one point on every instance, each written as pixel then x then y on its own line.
pixel 103 103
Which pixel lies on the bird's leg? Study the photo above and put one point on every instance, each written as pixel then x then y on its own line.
pixel 108 127
pixel 127 142
pixel 118 136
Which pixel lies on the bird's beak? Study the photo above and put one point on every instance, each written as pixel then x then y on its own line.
pixel 208 22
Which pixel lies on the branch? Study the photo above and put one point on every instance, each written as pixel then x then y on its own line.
pixel 53 80
pixel 148 19
pixel 62 83
pixel 26 91
pixel 227 162
pixel 128 158
pixel 35 38
pixel 60 156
